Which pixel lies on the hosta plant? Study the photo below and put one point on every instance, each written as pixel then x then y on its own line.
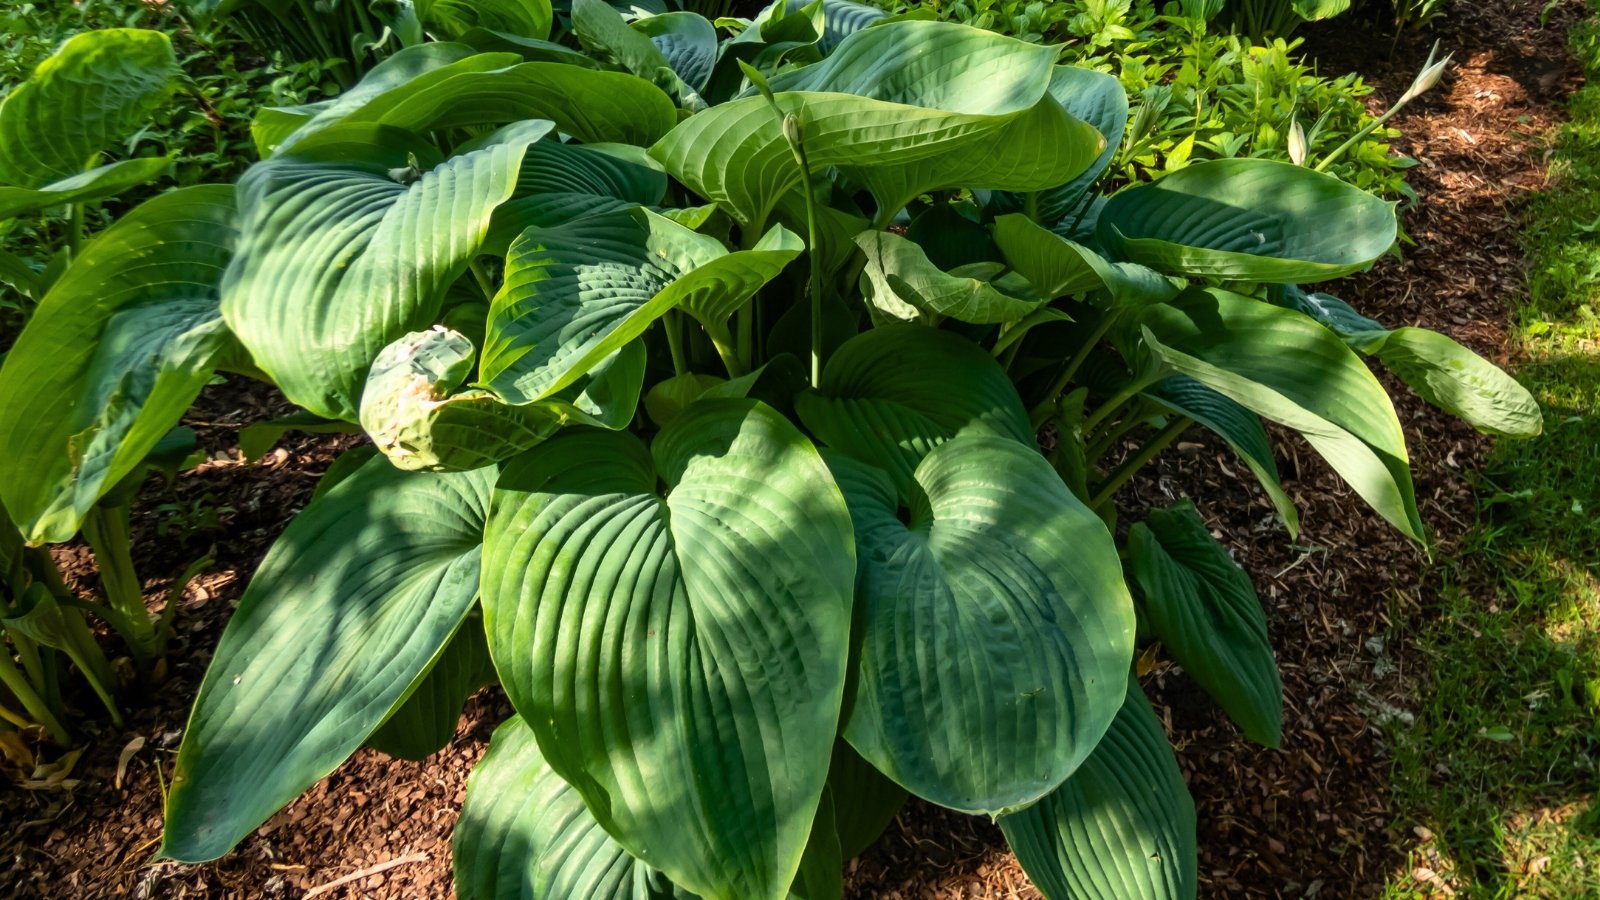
pixel 753 412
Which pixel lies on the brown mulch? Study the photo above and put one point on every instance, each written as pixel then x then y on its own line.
pixel 1310 819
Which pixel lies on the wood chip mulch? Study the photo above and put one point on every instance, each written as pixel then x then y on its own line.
pixel 1312 819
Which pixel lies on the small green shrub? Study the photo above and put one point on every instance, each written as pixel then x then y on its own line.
pixel 758 532
pixel 1201 92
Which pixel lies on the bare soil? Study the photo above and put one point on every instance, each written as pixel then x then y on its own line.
pixel 1312 819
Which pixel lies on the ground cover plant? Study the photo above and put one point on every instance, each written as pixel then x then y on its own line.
pixel 705 495
pixel 1201 91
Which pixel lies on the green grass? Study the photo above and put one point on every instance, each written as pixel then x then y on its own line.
pixel 1499 770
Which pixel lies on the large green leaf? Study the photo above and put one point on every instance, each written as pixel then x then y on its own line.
pixel 688 43
pixel 450 19
pixel 1057 267
pixel 524 834
pixel 451 90
pixel 608 37
pixel 350 607
pixel 1123 827
pixel 1285 367
pixel 1204 609
pixel 949 84
pixel 681 658
pixel 573 295
pixel 1250 220
pixel 842 18
pixel 1439 369
pixel 337 259
pixel 96 89
pixel 1460 382
pixel 1240 427
pixel 96 184
pixel 906 286
pixel 892 394
pixel 113 356
pixel 1100 100
pixel 1039 149
pixel 426 719
pixel 560 182
pixel 997 628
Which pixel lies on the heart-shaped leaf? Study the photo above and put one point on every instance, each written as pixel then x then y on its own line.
pixel 681 659
pixel 688 43
pixel 997 628
pixel 576 294
pixel 1204 609
pixel 112 357
pixel 560 182
pixel 337 259
pixel 842 18
pixel 1249 220
pixel 952 84
pixel 351 607
pixel 1286 368
pixel 892 394
pixel 96 89
pixel 1122 827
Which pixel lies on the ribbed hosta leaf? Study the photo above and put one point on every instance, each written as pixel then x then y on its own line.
pixel 1461 382
pixel 495 89
pixel 412 410
pixel 892 394
pixel 95 184
pixel 906 286
pixel 888 96
pixel 681 658
pixel 524 834
pixel 842 18
pixel 112 357
pixel 1123 827
pixel 1284 367
pixel 1057 267
pixel 687 41
pixel 274 125
pixel 1441 371
pixel 576 294
pixel 1240 427
pixel 1040 148
pixel 450 19
pixel 560 182
pixel 1204 609
pixel 95 90
pixel 997 628
pixel 608 37
pixel 426 719
pixel 1251 220
pixel 353 603
pixel 1100 100
pixel 337 259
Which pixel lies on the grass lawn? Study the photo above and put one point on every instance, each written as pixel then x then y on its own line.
pixel 1498 775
